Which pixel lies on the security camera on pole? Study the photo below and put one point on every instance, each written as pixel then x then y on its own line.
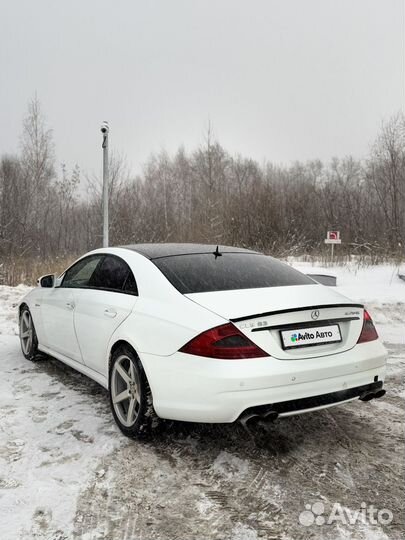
pixel 104 130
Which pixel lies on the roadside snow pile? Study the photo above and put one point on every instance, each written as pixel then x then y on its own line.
pixel 372 284
pixel 9 297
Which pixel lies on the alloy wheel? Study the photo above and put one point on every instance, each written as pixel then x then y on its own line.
pixel 125 390
pixel 26 332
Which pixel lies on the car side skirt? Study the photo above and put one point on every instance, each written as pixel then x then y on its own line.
pixel 94 375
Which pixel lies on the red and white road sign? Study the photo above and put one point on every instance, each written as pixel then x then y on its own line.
pixel 333 237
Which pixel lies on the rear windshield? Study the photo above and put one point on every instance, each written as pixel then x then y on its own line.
pixel 230 271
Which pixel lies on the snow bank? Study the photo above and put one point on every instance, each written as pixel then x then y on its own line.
pixel 9 297
pixel 373 284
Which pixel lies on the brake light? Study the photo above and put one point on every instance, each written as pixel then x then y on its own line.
pixel 225 342
pixel 368 332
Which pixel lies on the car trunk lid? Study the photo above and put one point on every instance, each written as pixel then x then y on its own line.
pixel 322 321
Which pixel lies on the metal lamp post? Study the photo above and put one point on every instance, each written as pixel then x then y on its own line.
pixel 105 130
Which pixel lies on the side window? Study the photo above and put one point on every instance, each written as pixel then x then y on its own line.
pixel 79 274
pixel 115 275
pixel 130 285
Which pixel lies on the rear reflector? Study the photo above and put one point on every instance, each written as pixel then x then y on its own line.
pixel 368 332
pixel 225 342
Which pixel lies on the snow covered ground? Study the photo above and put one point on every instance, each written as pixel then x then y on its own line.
pixel 67 473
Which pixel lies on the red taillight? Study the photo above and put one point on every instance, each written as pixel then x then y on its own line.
pixel 225 342
pixel 368 332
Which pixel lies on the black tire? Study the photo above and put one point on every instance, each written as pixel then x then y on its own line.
pixel 144 416
pixel 29 346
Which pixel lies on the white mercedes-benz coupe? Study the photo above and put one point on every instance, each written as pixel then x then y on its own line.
pixel 204 334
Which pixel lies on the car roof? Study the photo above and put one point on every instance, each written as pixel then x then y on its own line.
pixel 156 251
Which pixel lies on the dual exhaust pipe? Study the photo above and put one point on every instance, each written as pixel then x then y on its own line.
pixel 368 395
pixel 248 419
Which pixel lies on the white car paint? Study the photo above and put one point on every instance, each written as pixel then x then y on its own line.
pixel 96 319
pixel 80 327
pixel 57 331
pixel 234 304
pixel 204 390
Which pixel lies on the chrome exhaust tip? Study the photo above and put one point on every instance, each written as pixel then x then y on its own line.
pixel 367 396
pixel 270 415
pixel 248 418
pixel 380 393
pixel 372 394
pixel 251 419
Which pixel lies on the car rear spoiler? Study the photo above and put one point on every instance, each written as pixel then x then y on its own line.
pixel 292 310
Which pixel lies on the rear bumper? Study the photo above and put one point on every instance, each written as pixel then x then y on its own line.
pixel 196 389
pixel 313 403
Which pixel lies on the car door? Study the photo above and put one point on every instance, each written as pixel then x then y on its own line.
pixel 102 307
pixel 58 305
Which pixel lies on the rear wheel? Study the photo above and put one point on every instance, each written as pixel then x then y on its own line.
pixel 28 336
pixel 130 394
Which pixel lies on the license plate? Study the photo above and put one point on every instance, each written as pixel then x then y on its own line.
pixel 308 337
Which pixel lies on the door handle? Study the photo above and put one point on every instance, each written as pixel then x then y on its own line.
pixel 70 305
pixel 110 313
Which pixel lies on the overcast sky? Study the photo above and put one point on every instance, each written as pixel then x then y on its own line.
pixel 278 79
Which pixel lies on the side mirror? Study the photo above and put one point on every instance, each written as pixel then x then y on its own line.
pixel 47 281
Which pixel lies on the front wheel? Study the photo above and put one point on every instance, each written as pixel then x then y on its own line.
pixel 130 394
pixel 28 336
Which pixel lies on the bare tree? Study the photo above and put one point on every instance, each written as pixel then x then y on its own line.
pixel 386 173
pixel 205 196
pixel 37 162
